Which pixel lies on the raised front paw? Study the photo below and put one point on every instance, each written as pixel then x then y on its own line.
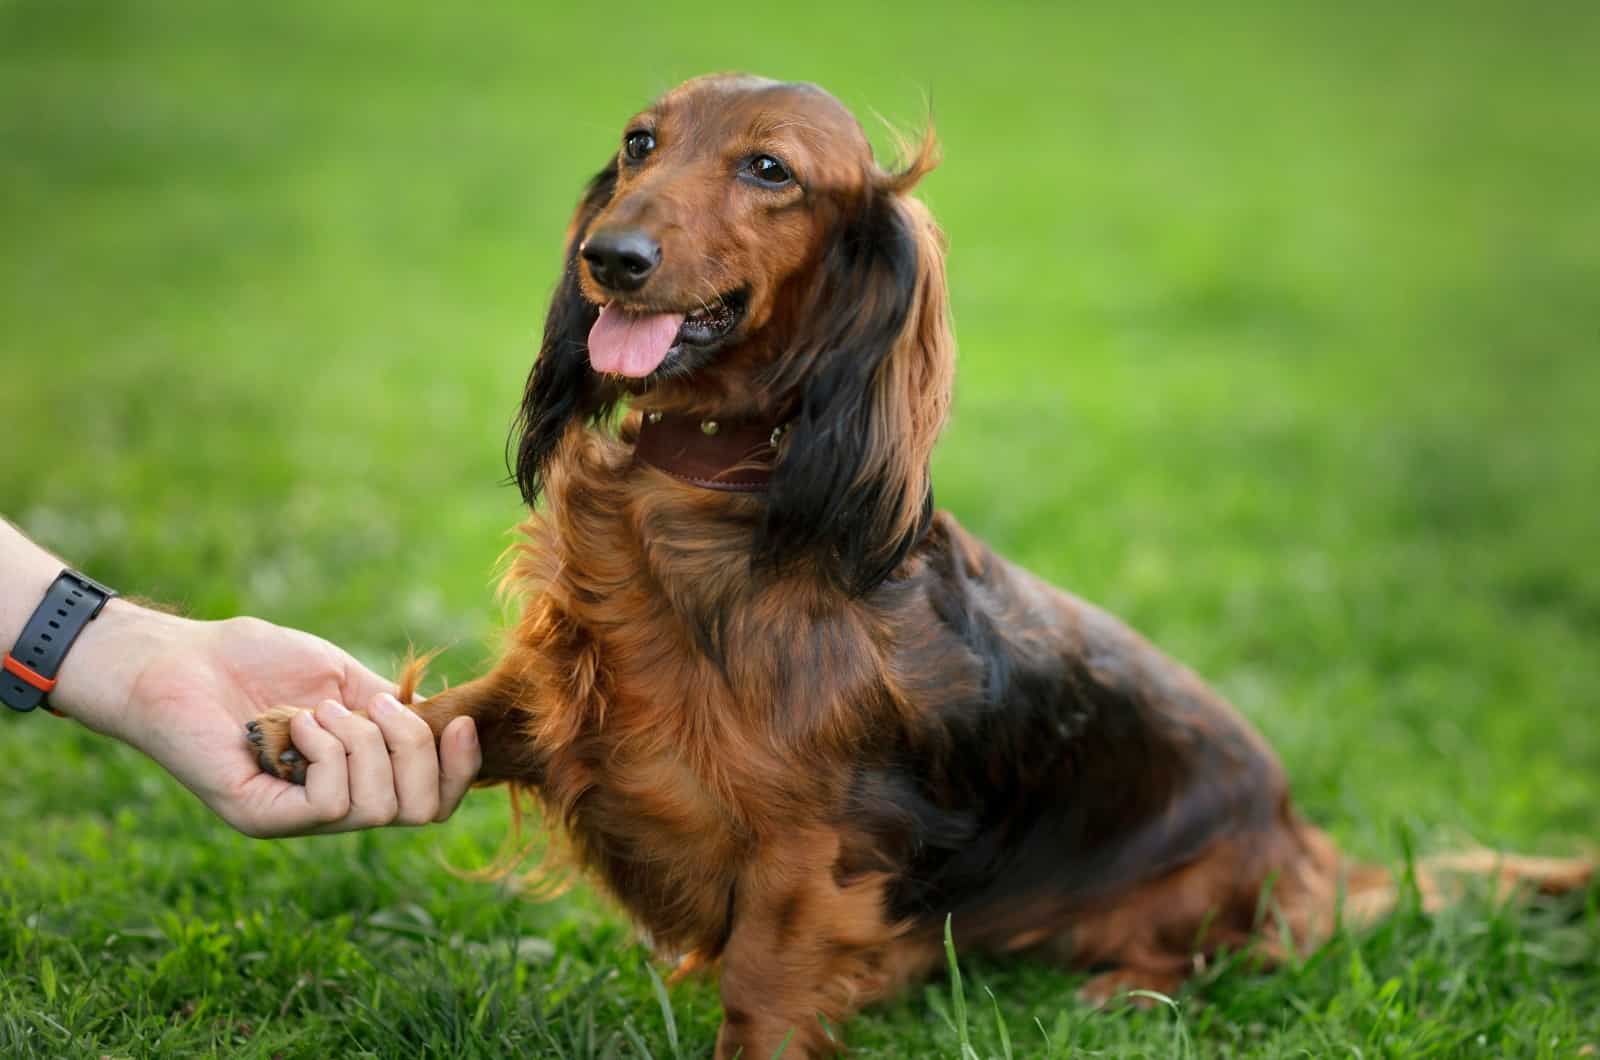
pixel 275 752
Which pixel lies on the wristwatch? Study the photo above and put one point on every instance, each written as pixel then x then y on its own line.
pixel 28 672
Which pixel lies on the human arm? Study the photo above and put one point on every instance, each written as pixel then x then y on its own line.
pixel 181 691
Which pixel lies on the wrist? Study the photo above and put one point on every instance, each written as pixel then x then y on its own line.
pixel 98 677
pixel 100 673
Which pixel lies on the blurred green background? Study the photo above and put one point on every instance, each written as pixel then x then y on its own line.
pixel 1279 328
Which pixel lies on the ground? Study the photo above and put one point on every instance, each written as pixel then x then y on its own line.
pixel 1278 334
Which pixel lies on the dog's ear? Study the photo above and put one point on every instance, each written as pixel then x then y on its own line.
pixel 850 491
pixel 562 388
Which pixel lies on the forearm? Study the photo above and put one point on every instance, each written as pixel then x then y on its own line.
pixel 110 654
pixel 26 571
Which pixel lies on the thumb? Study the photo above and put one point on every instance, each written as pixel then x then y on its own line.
pixel 358 685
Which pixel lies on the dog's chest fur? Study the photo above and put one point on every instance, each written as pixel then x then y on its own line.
pixel 669 737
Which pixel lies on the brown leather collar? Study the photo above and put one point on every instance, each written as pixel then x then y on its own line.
pixel 735 456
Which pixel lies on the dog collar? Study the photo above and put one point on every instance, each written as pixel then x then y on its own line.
pixel 734 456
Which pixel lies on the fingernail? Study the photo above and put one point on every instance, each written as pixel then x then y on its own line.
pixel 334 707
pixel 472 734
pixel 387 705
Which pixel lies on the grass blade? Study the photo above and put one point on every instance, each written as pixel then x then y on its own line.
pixel 958 998
pixel 666 1011
pixel 1000 1026
pixel 1182 1047
pixel 636 1041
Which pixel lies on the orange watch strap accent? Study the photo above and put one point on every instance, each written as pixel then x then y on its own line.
pixel 37 680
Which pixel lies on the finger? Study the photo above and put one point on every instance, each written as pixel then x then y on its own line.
pixel 414 758
pixel 459 760
pixel 372 798
pixel 327 787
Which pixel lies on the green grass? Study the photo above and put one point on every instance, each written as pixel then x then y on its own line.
pixel 1280 338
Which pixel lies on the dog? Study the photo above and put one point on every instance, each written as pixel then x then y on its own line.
pixel 788 714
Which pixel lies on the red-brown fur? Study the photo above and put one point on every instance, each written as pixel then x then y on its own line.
pixel 790 732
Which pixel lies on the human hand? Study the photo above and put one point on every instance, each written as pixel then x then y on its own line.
pixel 182 691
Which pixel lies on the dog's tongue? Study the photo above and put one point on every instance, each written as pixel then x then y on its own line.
pixel 632 344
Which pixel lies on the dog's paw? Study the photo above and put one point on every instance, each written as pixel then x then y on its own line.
pixel 275 753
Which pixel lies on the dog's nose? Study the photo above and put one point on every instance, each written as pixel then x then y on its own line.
pixel 621 258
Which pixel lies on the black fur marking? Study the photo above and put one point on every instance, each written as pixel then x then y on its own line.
pixel 562 387
pixel 1046 781
pixel 787 918
pixel 821 507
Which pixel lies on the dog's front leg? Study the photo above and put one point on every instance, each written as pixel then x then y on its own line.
pixel 490 701
pixel 804 948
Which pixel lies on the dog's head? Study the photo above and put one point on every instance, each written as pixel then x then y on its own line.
pixel 744 255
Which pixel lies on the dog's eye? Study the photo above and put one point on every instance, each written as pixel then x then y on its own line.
pixel 638 145
pixel 769 171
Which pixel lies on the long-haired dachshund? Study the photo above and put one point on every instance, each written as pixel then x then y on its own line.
pixel 789 715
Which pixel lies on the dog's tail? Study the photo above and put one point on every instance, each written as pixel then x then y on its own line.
pixel 1372 892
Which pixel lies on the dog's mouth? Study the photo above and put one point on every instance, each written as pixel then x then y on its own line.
pixel 636 341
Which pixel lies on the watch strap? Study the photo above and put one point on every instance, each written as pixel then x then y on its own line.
pixel 28 672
